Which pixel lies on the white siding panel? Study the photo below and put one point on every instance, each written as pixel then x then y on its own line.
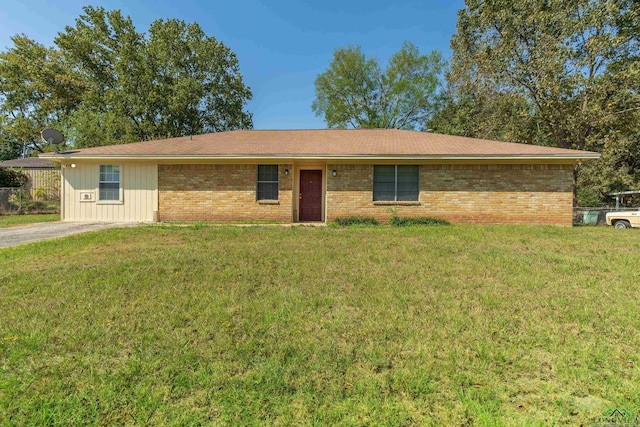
pixel 139 183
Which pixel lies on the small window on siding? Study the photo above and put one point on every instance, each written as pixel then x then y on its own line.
pixel 396 183
pixel 109 182
pixel 268 182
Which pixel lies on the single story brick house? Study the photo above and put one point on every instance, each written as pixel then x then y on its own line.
pixel 319 175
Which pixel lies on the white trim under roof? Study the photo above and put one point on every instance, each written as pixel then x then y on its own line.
pixel 280 157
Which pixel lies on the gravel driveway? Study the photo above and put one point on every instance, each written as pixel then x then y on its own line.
pixel 18 235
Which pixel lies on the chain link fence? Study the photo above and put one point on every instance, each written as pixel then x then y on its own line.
pixel 21 200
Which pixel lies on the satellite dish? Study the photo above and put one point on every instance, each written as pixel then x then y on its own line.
pixel 52 136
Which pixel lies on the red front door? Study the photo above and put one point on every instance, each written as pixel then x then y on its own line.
pixel 310 195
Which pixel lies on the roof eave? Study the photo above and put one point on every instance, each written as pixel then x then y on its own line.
pixel 575 157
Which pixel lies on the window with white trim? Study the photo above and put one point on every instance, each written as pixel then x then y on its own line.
pixel 396 183
pixel 268 182
pixel 109 183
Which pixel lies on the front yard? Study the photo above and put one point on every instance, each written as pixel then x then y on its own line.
pixel 12 220
pixel 461 325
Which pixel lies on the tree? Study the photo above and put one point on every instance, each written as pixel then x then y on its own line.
pixel 105 83
pixel 617 170
pixel 175 82
pixel 567 73
pixel 9 147
pixel 355 92
pixel 12 178
pixel 38 89
pixel 8 150
pixel 488 114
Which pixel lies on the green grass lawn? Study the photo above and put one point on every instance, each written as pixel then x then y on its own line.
pixel 462 325
pixel 11 220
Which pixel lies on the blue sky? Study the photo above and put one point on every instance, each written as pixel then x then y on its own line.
pixel 282 45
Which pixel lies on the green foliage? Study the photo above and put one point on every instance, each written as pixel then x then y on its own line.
pixel 19 200
pixel 30 206
pixel 176 81
pixel 38 89
pixel 617 170
pixel 486 114
pixel 355 92
pixel 105 83
pixel 9 147
pixel 9 150
pixel 417 220
pixel 356 220
pixel 588 197
pixel 573 62
pixel 553 73
pixel 12 178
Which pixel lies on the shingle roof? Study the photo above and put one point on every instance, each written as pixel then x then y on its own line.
pixel 328 143
pixel 29 162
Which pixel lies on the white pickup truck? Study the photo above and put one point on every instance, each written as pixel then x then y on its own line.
pixel 624 219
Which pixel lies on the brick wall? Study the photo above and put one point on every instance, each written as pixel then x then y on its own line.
pixel 519 194
pixel 219 193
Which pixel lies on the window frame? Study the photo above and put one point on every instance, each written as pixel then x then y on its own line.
pixel 258 182
pixel 395 185
pixel 100 200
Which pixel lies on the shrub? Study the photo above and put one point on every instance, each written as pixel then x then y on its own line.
pixel 12 178
pixel 418 220
pixel 356 220
pixel 28 206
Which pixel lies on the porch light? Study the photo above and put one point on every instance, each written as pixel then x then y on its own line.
pixel 286 171
pixel 73 165
pixel 334 172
